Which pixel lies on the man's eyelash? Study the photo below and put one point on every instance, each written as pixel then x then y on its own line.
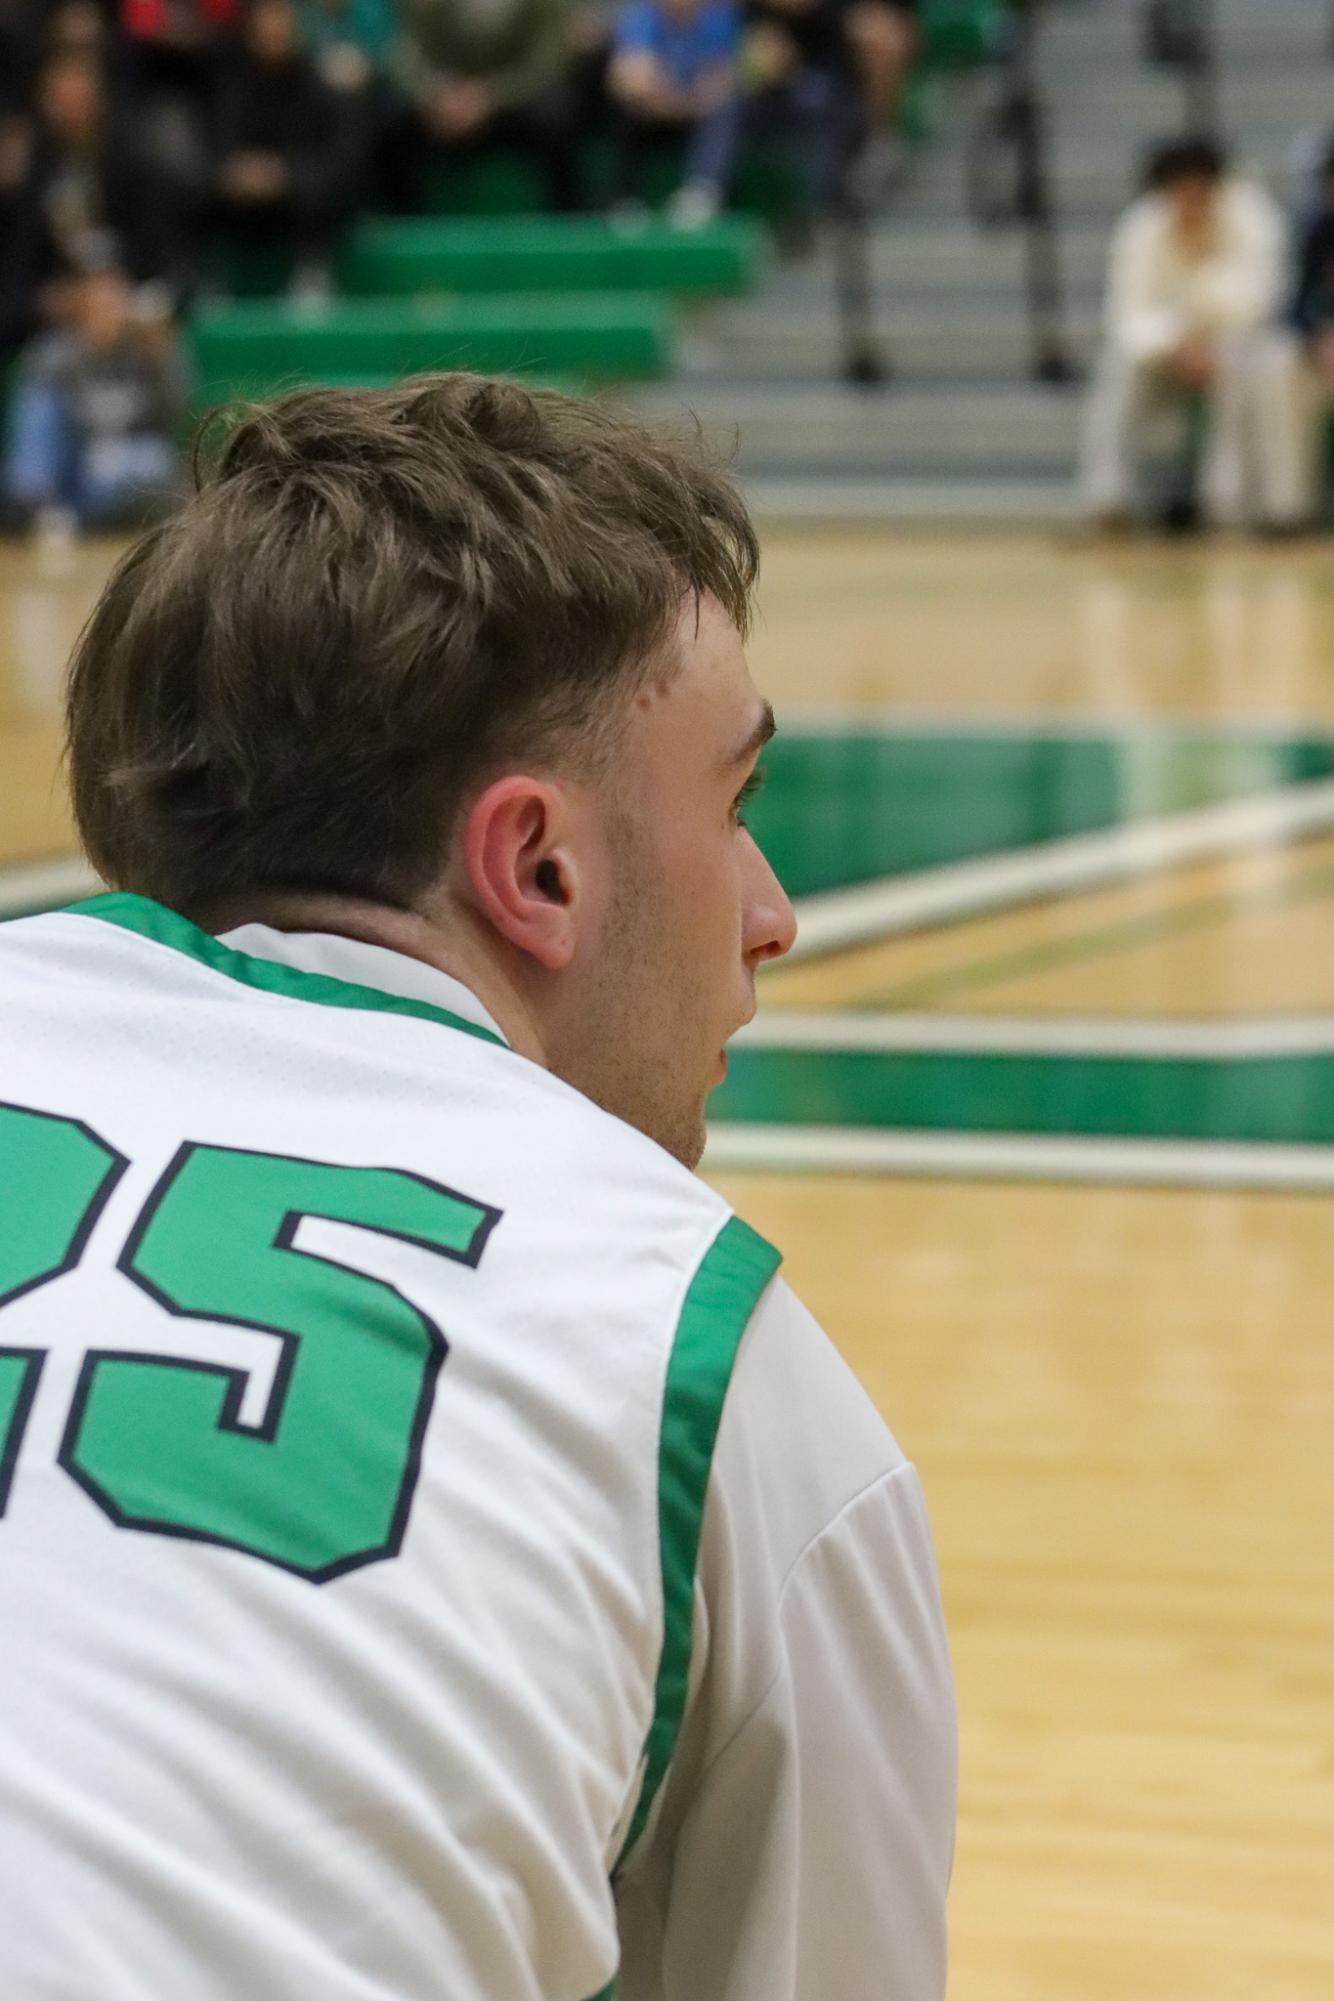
pixel 747 793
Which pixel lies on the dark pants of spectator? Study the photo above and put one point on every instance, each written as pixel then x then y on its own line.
pixel 544 131
pixel 817 122
pixel 172 89
pixel 308 228
pixel 105 483
pixel 709 143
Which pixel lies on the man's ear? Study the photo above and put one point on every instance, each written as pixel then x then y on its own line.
pixel 520 867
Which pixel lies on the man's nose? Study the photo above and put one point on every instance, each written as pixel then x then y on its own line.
pixel 771 923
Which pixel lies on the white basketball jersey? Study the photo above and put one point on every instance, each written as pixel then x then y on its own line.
pixel 382 1578
pixel 358 1388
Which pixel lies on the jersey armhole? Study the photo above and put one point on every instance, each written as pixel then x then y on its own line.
pixel 718 1305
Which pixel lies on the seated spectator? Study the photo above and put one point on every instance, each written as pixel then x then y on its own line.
pixel 884 38
pixel 486 75
pixel 1195 280
pixel 1303 367
pixel 349 40
pixel 18 54
pixel 673 80
pixel 287 162
pixel 805 95
pixel 825 83
pixel 18 67
pixel 350 43
pixel 75 28
pixel 83 175
pixel 174 49
pixel 95 412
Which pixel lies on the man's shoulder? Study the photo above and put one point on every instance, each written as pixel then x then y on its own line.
pixel 389 1066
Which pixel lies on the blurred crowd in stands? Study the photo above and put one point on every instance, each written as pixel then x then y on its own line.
pixel 140 139
pixel 144 144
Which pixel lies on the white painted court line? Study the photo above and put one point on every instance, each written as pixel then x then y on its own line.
pixel 1018 1157
pixel 893 905
pixel 43 885
pixel 1065 1035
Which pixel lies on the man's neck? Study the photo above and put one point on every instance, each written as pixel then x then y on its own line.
pixel 450 951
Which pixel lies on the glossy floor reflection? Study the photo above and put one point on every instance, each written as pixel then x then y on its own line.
pixel 1122 1403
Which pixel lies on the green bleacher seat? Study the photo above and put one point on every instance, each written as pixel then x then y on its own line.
pixel 920 105
pixel 959 33
pixel 550 254
pixel 250 350
pixel 250 271
pixel 498 182
pixel 505 184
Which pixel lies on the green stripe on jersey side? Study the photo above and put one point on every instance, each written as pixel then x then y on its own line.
pixel 166 927
pixel 722 1297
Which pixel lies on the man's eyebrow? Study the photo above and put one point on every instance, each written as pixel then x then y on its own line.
pixel 756 741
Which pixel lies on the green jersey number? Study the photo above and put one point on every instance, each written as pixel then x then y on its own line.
pixel 322 1481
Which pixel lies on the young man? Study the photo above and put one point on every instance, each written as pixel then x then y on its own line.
pixel 289 152
pixel 826 81
pixel 673 81
pixel 83 177
pixel 1302 368
pixel 443 1558
pixel 95 410
pixel 1194 286
pixel 485 74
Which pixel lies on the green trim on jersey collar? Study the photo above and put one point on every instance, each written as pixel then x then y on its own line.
pixel 723 1294
pixel 166 927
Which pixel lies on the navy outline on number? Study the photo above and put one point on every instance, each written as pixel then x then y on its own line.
pixel 236 1379
pixel 116 1164
pixel 18 1417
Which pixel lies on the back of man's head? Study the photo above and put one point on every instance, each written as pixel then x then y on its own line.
pixel 376 599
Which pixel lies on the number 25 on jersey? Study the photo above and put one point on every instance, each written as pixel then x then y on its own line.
pixel 323 1482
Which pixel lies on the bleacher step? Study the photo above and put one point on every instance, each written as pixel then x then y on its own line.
pixel 822 429
pixel 553 255
pixel 988 344
pixel 598 337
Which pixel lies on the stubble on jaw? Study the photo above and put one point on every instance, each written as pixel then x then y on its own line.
pixel 632 1050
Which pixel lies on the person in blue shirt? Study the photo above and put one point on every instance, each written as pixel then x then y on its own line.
pixel 673 78
pixel 95 411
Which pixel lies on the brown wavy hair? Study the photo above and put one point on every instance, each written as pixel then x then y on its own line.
pixel 375 600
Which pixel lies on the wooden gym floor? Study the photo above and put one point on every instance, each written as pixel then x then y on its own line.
pixel 1062 825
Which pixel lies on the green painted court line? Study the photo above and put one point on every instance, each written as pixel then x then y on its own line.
pixel 1262 1100
pixel 1102 941
pixel 842 808
pixel 878 801
pixel 895 905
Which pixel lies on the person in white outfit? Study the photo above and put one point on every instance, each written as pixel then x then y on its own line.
pixel 1194 289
